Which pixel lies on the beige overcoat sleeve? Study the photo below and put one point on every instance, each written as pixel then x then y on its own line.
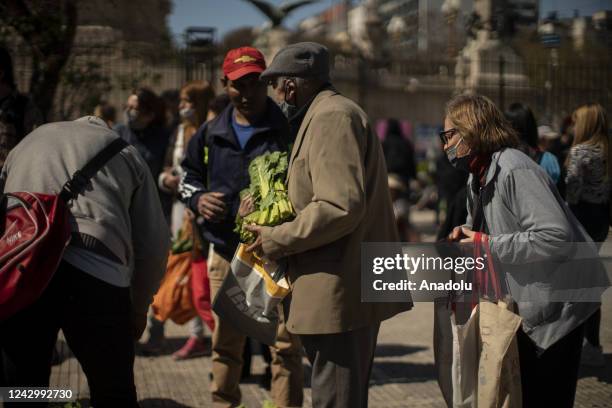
pixel 334 160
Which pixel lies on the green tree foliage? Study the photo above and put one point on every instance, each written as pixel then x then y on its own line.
pixel 83 86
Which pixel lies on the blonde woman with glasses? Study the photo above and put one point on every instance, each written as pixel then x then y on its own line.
pixel 514 204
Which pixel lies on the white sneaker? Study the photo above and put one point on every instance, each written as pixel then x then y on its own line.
pixel 592 356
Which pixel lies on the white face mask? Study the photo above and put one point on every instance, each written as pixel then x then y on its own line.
pixel 133 119
pixel 187 114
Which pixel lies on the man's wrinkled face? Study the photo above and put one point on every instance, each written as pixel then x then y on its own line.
pixel 278 89
pixel 248 94
pixel 284 90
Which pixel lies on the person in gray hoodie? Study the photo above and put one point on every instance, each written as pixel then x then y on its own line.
pixel 512 200
pixel 100 293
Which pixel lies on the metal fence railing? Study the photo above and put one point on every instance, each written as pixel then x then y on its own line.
pixel 105 74
pixel 553 90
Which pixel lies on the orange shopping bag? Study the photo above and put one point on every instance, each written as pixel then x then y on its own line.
pixel 174 299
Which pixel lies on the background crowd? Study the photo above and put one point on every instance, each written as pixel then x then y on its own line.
pixel 573 172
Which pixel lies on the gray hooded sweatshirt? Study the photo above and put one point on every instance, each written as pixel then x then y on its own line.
pixel 120 208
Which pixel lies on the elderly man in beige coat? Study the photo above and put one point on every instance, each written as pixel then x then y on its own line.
pixel 337 183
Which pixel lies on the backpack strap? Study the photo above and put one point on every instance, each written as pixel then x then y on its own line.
pixel 76 185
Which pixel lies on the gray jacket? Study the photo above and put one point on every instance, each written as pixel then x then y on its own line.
pixel 529 222
pixel 120 208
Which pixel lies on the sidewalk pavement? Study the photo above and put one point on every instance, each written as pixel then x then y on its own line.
pixel 403 374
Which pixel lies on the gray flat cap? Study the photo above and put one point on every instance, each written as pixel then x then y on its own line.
pixel 301 60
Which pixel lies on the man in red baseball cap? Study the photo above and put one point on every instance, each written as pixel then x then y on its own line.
pixel 242 61
pixel 215 171
pixel 241 69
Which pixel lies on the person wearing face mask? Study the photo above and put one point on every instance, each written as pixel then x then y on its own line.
pixel 514 204
pixel 337 183
pixel 144 128
pixel 215 171
pixel 195 98
pixel 451 184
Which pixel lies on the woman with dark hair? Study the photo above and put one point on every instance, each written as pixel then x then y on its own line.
pixel 145 128
pixel 522 120
pixel 194 100
pixel 514 205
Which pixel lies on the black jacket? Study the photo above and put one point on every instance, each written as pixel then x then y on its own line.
pixel 151 143
pixel 215 162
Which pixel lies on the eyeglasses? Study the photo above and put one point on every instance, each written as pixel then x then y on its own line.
pixel 447 135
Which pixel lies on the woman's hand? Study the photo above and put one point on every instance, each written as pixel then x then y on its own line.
pixel 456 235
pixel 462 235
pixel 468 235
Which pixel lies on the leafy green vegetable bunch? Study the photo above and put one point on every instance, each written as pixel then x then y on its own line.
pixel 269 194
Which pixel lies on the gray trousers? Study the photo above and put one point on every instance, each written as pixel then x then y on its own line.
pixel 341 366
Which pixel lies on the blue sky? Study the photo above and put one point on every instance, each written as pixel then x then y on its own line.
pixel 566 7
pixel 230 14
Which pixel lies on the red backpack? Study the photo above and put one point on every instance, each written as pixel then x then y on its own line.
pixel 35 230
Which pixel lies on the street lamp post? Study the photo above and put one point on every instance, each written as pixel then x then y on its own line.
pixel 199 43
pixel 502 85
pixel 450 8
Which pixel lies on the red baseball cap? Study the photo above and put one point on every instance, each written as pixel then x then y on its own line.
pixel 242 61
